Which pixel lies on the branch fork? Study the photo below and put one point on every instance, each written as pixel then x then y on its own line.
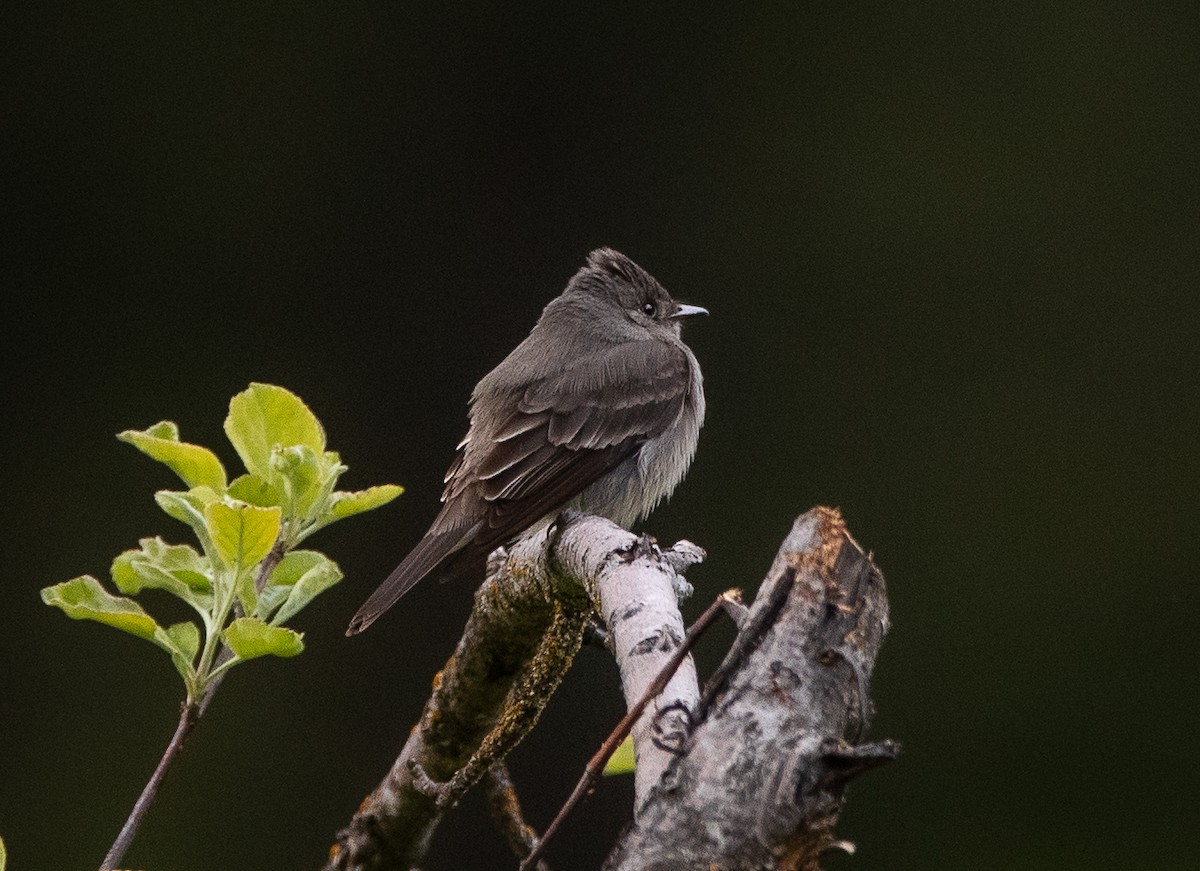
pixel 529 620
pixel 748 774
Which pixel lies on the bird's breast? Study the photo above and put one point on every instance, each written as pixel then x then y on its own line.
pixel 632 490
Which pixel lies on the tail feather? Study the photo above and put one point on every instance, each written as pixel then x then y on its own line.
pixel 429 552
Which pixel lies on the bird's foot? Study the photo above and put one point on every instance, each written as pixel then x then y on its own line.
pixel 643 546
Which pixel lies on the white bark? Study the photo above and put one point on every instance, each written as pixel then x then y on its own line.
pixel 521 637
pixel 637 593
pixel 749 776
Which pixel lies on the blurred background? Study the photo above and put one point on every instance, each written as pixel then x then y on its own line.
pixel 951 254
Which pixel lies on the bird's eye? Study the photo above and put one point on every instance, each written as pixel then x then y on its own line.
pixel 648 309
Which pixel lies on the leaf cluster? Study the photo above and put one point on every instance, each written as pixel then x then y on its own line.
pixel 247 578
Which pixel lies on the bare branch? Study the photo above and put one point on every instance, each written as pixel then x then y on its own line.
pixel 526 626
pixel 752 774
pixel 506 813
pixel 640 607
pixel 762 781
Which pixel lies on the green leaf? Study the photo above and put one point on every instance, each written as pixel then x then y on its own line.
pixel 182 641
pixel 242 534
pixel 247 590
pixel 269 601
pixel 264 416
pixel 253 490
pixel 186 638
pixel 307 574
pixel 249 637
pixel 178 569
pixel 197 466
pixel 289 570
pixel 349 504
pixel 84 598
pixel 621 762
pixel 181 507
pixel 304 475
pixel 294 566
pixel 188 507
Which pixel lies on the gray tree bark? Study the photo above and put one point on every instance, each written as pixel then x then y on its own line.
pixel 522 635
pixel 749 775
pixel 761 780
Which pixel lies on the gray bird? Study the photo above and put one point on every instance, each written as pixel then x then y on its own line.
pixel 598 409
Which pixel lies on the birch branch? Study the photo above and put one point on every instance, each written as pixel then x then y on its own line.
pixel 525 628
pixel 639 603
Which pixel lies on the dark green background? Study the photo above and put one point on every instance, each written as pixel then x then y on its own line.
pixel 951 254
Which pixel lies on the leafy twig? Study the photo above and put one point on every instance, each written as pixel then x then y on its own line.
pixel 248 578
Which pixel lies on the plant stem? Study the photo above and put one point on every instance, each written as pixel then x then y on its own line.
pixel 226 597
pixel 189 713
pixel 208 678
pixel 214 671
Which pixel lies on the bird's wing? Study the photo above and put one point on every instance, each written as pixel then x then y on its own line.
pixel 569 430
pixel 564 433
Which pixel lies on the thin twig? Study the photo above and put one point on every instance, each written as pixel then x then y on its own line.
pixel 734 607
pixel 270 561
pixel 595 766
pixel 506 812
pixel 187 719
pixel 192 710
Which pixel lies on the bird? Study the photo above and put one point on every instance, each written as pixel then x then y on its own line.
pixel 598 409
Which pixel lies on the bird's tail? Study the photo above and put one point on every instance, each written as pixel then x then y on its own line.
pixel 432 550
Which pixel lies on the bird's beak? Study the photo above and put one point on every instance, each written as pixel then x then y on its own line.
pixel 686 311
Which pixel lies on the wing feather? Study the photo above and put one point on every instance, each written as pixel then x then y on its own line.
pixel 569 430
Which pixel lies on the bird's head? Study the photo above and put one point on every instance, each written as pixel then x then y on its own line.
pixel 620 285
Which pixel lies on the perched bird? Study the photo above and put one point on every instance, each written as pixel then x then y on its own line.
pixel 598 409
